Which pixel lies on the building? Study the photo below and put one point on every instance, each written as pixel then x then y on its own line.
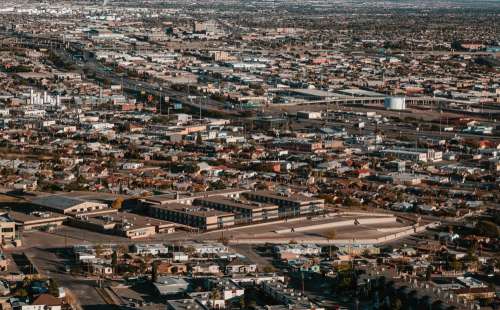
pixel 229 289
pixel 289 297
pixel 37 220
pixel 309 115
pixel 149 249
pixel 129 225
pixel 472 293
pixel 297 249
pixel 240 265
pixel 205 268
pixel 289 204
pixel 185 304
pixel 189 199
pixel 395 103
pixel 245 211
pixel 299 145
pixel 415 155
pixel 66 205
pixel 193 216
pixel 207 248
pixel 166 268
pixel 7 229
pixel 168 285
pixel 48 302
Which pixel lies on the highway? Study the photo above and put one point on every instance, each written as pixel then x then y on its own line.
pixel 94 68
pixel 205 104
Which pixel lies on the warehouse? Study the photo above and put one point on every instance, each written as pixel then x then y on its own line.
pixel 67 205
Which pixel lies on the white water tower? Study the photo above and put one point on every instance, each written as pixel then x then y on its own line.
pixel 395 103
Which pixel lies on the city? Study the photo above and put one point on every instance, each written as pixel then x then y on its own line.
pixel 260 154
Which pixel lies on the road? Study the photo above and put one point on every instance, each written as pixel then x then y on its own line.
pixel 51 264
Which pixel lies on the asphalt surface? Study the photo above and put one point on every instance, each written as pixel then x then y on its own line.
pixel 51 264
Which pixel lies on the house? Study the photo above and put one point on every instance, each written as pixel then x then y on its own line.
pixel 165 268
pixel 205 268
pixel 207 248
pixel 298 249
pixel 228 288
pixel 304 265
pixel 149 249
pixel 240 265
pixel 179 257
pixel 101 269
pixel 48 302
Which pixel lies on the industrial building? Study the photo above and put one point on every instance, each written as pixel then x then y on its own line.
pixel 67 205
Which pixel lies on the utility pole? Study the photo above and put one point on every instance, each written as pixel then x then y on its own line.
pixel 161 103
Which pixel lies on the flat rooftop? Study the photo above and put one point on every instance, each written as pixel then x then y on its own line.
pixel 137 221
pixel 33 217
pixel 238 203
pixel 161 199
pixel 192 210
pixel 288 197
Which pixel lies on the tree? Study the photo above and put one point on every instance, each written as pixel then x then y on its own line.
pixel 488 229
pixel 396 304
pixel 456 265
pixel 22 292
pixel 53 288
pixel 199 139
pixel 217 185
pixel 114 260
pixel 428 273
pixel 269 269
pixel 154 273
pixel 118 203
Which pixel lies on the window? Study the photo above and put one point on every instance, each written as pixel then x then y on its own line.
pixel 7 230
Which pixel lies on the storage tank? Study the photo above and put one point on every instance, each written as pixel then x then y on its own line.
pixel 395 103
